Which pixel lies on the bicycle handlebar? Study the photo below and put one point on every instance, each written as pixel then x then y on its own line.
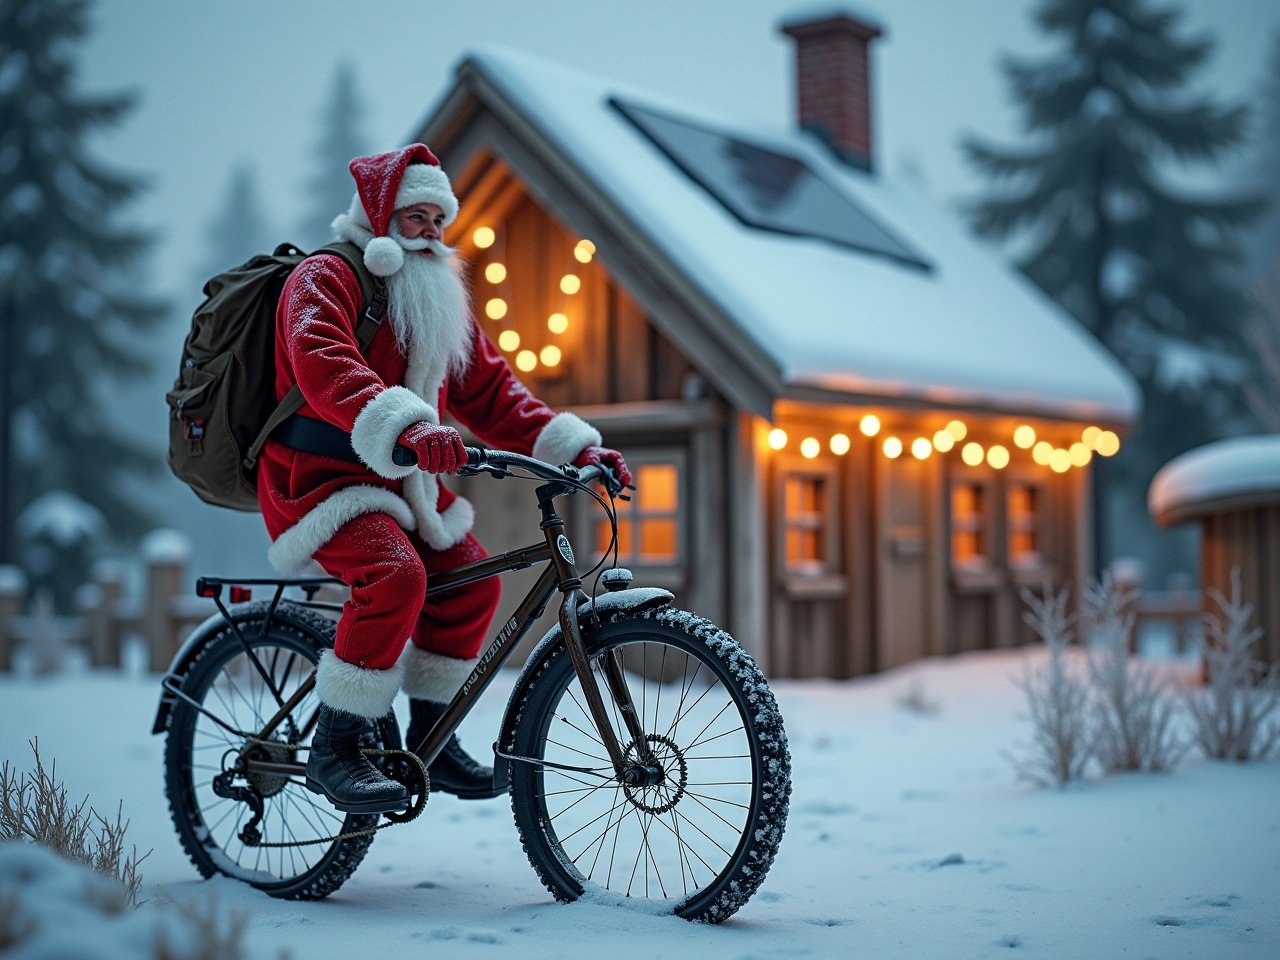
pixel 478 457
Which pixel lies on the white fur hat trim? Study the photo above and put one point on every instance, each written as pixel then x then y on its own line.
pixel 423 183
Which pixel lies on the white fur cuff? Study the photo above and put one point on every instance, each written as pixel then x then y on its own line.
pixel 433 676
pixel 351 689
pixel 424 183
pixel 292 551
pixel 563 438
pixel 379 425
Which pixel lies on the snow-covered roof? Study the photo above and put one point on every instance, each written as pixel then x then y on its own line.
pixel 969 332
pixel 1232 474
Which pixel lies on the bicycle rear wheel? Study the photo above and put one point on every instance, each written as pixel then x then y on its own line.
pixel 231 690
pixel 699 840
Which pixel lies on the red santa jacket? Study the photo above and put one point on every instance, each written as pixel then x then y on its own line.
pixel 306 498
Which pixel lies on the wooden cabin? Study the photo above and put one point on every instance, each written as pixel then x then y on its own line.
pixel 1231 489
pixel 857 435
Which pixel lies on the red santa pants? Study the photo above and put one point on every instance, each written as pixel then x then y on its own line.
pixel 387 569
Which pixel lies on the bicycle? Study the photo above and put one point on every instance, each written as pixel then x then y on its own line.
pixel 641 747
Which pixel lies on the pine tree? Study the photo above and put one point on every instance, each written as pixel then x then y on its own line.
pixel 1149 267
pixel 239 230
pixel 1264 252
pixel 72 313
pixel 330 190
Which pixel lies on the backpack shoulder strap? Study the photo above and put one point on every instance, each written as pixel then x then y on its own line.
pixel 373 292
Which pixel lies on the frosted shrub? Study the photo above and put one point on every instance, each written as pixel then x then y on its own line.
pixel 34 808
pixel 1236 718
pixel 1057 699
pixel 1132 706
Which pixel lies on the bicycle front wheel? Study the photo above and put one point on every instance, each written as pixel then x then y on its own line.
pixel 232 690
pixel 697 840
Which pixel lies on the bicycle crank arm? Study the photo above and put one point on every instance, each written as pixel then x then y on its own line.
pixel 274 768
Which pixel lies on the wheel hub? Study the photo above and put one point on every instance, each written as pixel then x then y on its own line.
pixel 657 787
pixel 268 784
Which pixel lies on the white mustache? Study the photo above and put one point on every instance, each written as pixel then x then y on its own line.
pixel 421 243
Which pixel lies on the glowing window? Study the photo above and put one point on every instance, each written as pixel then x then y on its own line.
pixel 806 509
pixel 1025 506
pixel 648 525
pixel 969 525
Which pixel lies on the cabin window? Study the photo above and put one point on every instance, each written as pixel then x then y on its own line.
pixel 1025 505
pixel 970 525
pixel 649 525
pixel 807 523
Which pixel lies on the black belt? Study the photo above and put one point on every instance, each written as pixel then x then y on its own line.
pixel 315 436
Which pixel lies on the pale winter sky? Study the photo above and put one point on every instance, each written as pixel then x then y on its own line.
pixel 241 80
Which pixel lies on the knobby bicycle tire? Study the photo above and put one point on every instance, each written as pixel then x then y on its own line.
pixel 223 680
pixel 698 842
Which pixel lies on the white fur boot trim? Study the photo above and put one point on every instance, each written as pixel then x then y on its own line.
pixel 433 676
pixel 352 689
pixel 292 551
pixel 563 438
pixel 380 423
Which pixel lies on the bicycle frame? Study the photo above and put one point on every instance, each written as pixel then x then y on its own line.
pixel 560 574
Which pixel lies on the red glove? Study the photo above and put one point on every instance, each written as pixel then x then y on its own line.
pixel 596 456
pixel 439 449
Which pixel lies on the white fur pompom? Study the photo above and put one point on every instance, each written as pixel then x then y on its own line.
pixel 383 256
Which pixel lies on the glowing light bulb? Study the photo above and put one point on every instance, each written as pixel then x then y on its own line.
pixel 777 438
pixel 495 273
pixel 1108 444
pixel 509 340
pixel 549 355
pixel 921 448
pixel 869 425
pixel 1079 453
pixel 495 309
pixel 526 360
pixel 892 448
pixel 1042 452
pixel 584 251
pixel 957 429
pixel 943 441
pixel 972 454
pixel 810 447
pixel 998 456
pixel 1090 437
pixel 840 444
pixel 1060 461
pixel 570 283
pixel 557 323
pixel 1024 437
pixel 484 237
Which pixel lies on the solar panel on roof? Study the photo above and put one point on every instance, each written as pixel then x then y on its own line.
pixel 765 188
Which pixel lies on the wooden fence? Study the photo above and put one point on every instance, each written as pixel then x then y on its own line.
pixel 160 618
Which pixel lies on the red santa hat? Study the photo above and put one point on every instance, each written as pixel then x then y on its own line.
pixel 387 182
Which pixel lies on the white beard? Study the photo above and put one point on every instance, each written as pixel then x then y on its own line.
pixel 427 305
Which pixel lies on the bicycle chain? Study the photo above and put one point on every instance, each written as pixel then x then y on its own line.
pixel 394 819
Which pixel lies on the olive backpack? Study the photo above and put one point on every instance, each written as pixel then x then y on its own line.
pixel 222 407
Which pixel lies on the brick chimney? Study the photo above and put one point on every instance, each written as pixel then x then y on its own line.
pixel 833 82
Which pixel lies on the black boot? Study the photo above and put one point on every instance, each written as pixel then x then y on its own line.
pixel 453 770
pixel 338 769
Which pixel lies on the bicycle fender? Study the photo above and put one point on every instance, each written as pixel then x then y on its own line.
pixel 632 600
pixel 196 639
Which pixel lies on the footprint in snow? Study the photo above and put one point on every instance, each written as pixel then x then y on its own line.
pixel 1223 901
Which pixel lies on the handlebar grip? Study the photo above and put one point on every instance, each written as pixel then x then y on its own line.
pixel 403 456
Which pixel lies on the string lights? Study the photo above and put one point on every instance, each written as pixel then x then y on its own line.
pixel 1094 442
pixel 497 306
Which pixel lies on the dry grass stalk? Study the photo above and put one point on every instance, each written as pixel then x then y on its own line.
pixel 1132 708
pixel 1231 717
pixel 206 932
pixel 34 807
pixel 1057 698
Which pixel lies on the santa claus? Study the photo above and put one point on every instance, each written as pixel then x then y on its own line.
pixel 331 492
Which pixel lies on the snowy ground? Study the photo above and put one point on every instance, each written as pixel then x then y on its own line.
pixel 909 837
